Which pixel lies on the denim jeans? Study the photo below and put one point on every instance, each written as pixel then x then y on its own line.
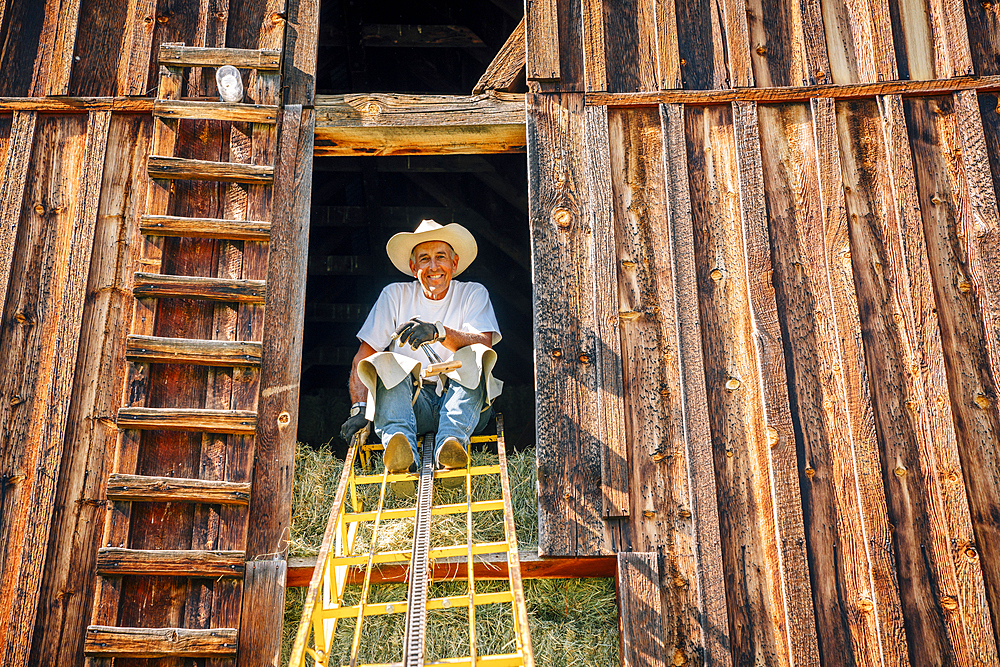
pixel 457 413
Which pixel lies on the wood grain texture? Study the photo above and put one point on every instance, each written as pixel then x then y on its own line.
pixel 188 419
pixel 67 587
pixel 175 55
pixel 143 488
pixel 137 47
pixel 983 23
pixel 737 40
pixel 776 46
pixel 941 170
pixel 63 48
pixel 164 167
pixel 159 642
pixel 700 45
pixel 816 58
pixel 859 41
pixel 15 174
pixel 818 315
pixel 170 562
pixel 249 113
pixel 506 69
pixel 214 228
pixel 611 398
pixel 43 303
pixel 640 614
pixel 154 349
pixel 569 454
pixel 708 630
pixel 931 39
pixel 302 29
pixel 156 286
pixel 595 70
pixel 401 110
pixel 630 46
pixel 262 612
pixel 541 31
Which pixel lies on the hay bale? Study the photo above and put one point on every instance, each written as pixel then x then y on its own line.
pixel 573 622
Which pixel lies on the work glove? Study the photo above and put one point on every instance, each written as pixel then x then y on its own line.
pixel 416 332
pixel 355 422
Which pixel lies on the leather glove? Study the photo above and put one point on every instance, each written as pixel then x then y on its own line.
pixel 416 332
pixel 354 423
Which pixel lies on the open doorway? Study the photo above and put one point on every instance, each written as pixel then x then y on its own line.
pixel 358 203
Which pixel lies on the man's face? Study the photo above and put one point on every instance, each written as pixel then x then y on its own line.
pixel 433 263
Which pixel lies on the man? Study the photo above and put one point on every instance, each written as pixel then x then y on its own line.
pixel 456 319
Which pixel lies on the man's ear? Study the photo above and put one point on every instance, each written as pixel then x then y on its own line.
pixel 454 259
pixel 413 268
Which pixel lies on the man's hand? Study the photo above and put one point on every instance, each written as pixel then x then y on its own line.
pixel 416 332
pixel 354 423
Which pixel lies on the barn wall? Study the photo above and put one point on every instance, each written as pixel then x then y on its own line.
pixel 791 307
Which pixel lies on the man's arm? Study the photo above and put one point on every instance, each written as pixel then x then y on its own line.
pixel 455 339
pixel 359 391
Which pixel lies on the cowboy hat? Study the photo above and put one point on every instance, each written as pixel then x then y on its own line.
pixel 458 237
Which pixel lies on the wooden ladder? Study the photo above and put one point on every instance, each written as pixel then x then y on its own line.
pixel 228 307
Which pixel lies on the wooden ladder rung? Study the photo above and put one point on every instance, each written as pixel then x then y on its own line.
pixel 145 488
pixel 248 113
pixel 159 286
pixel 200 56
pixel 103 640
pixel 205 228
pixel 157 350
pixel 238 422
pixel 162 166
pixel 173 562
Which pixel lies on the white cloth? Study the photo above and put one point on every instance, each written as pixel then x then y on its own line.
pixel 466 307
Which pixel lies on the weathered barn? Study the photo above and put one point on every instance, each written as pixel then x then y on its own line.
pixel 764 300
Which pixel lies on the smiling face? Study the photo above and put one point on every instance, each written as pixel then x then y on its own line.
pixel 433 263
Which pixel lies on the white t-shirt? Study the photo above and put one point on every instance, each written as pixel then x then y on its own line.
pixel 466 307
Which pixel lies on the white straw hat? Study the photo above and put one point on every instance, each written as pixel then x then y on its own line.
pixel 458 237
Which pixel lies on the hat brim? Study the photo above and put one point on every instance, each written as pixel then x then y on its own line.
pixel 458 237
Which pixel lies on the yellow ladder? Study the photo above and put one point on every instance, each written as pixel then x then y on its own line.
pixel 350 553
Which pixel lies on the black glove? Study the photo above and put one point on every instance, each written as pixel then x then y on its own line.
pixel 416 332
pixel 354 423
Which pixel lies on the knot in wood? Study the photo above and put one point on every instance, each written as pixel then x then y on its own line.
pixel 810 472
pixel 679 658
pixel 39 209
pixel 649 514
pixel 220 16
pixel 772 436
pixel 685 514
pixel 820 74
pixel 761 50
pixel 22 318
pixel 371 108
pixel 900 471
pixel 277 17
pixel 732 384
pixel 163 18
pixel 982 401
pixel 865 605
pixel 965 286
pixel 716 275
pixel 949 603
pixel 562 217
pixel 284 419
pixel 953 476
pixel 971 553
pixel 556 353
pixel 584 359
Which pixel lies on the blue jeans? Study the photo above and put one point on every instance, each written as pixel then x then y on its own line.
pixel 457 413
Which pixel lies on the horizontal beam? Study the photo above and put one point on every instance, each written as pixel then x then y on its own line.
pixel 395 124
pixel 236 422
pixel 112 561
pixel 198 56
pixel 490 566
pixel 850 91
pixel 420 36
pixel 160 286
pixel 162 166
pixel 247 113
pixel 211 228
pixel 117 642
pixel 146 488
pixel 159 350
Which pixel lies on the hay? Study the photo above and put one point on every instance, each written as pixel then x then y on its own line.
pixel 573 622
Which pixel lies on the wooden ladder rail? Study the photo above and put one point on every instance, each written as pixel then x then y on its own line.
pixel 243 251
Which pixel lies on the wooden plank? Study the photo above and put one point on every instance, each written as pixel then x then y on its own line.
pixel 158 350
pixel 262 612
pixel 210 228
pixel 159 642
pixel 302 28
pixel 249 113
pixel 67 590
pixel 154 285
pixel 750 547
pixel 188 419
pixel 61 65
pixel 112 561
pixel 595 70
pixel 57 243
pixel 707 631
pixel 978 225
pixel 637 580
pixel 611 395
pixel 797 93
pixel 137 48
pixel 701 46
pixel 815 57
pixel 775 414
pixel 814 290
pixel 176 55
pixel 983 24
pixel 486 567
pixel 419 36
pixel 932 41
pixel 146 488
pixel 507 67
pixel 12 185
pixel 945 208
pixel 630 47
pixel 859 41
pixel 569 453
pixel 161 166
pixel 401 110
pixel 736 35
pixel 668 59
pixel 381 141
pixel 541 31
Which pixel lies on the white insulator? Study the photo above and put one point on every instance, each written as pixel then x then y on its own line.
pixel 230 84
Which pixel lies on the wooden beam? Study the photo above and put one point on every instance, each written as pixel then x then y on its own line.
pixel 637 579
pixel 542 40
pixel 143 488
pixel 392 124
pixel 159 642
pixel 174 55
pixel 507 68
pixel 238 422
pixel 420 36
pixel 170 562
pixel 490 566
